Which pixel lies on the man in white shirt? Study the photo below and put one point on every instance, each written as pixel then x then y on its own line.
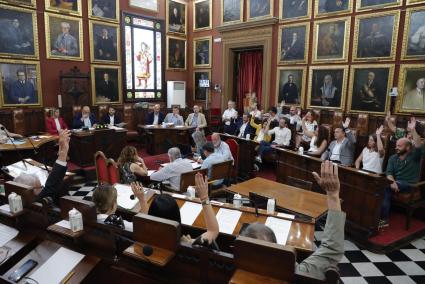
pixel 155 117
pixel 282 138
pixel 221 147
pixel 174 117
pixel 255 112
pixel 211 159
pixel 173 170
pixel 229 117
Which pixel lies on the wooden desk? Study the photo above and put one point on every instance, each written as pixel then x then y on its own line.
pixel 362 192
pixel 18 247
pixel 44 148
pixel 288 198
pixel 84 144
pixel 159 138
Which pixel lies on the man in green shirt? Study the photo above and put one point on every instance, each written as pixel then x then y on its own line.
pixel 403 168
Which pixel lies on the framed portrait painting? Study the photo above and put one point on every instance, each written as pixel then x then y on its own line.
pixel 199 93
pixel 26 3
pixel 18 33
pixel 106 84
pixel 411 89
pixel 293 43
pixel 259 9
pixel 176 17
pixel 72 7
pixel 64 37
pixel 331 40
pixel 291 85
pixel 414 34
pixel 412 2
pixel 376 4
pixel 202 52
pixel 106 10
pixel 325 8
pixel 202 19
pixel 369 88
pixel 294 10
pixel 20 83
pixel 104 42
pixel 231 11
pixel 375 36
pixel 176 53
pixel 149 5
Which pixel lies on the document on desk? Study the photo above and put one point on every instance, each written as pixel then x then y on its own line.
pixel 196 165
pixel 189 212
pixel 227 220
pixel 150 172
pixel 123 199
pixel 287 216
pixel 7 234
pixel 57 267
pixel 280 228
pixel 17 168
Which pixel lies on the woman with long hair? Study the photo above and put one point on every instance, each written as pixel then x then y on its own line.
pixel 131 165
pixel 319 141
pixel 372 156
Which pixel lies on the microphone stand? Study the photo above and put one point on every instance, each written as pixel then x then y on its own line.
pixel 14 146
pixel 35 153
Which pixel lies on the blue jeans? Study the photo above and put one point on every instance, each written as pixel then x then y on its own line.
pixel 386 204
pixel 264 148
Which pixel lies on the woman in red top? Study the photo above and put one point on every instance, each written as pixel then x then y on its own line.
pixel 54 123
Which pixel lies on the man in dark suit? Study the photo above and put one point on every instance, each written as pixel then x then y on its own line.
pixel 52 188
pixel 155 117
pixel 106 88
pixel 372 97
pixel 111 118
pixel 289 92
pixel 336 5
pixel 295 49
pixel 22 91
pixel 84 119
pixel 244 128
pixel 105 46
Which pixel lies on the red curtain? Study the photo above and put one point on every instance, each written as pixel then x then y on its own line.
pixel 250 76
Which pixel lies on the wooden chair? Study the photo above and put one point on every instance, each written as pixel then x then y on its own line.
pixel 188 179
pixel 19 121
pixel 25 191
pixel 307 185
pixel 362 125
pixel 75 110
pixel 113 171
pixel 128 118
pixel 234 149
pixel 317 115
pixel 214 118
pixel 86 208
pixel 101 169
pixel 221 171
pixel 103 109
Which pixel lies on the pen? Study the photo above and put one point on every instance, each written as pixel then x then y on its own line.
pixel 66 279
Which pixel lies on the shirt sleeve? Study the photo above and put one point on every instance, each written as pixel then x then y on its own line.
pixel 418 152
pixel 390 167
pixel 287 139
pixel 161 175
pixel 271 131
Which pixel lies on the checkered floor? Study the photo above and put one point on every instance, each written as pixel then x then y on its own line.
pixel 358 266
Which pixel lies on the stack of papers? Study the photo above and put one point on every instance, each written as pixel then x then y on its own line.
pixel 17 168
pixel 227 220
pixel 280 228
pixel 123 199
pixel 7 234
pixel 189 212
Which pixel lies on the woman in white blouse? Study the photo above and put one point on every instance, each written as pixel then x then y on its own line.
pixel 372 156
pixel 309 126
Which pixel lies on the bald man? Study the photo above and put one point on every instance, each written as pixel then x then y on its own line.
pixel 84 119
pixel 155 117
pixel 403 169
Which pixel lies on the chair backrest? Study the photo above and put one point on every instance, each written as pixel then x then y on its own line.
pixel 113 171
pixel 234 149
pixel 188 179
pixel 86 208
pixel 362 124
pixel 101 169
pixel 221 170
pixel 75 110
pixel 316 114
pixel 337 119
pixel 128 116
pixel 103 109
pixel 19 121
pixel 307 185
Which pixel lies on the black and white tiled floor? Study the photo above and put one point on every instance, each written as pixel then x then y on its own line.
pixel 358 266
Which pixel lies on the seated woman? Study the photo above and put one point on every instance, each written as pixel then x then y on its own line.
pixel 165 206
pixel 372 156
pixel 4 132
pixel 55 122
pixel 308 125
pixel 319 142
pixel 260 131
pixel 131 165
pixel 105 200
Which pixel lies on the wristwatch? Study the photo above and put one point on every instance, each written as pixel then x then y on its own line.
pixel 205 202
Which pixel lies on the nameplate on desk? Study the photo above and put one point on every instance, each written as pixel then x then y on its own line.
pixel 7 234
pixel 227 220
pixel 189 212
pixel 280 228
pixel 17 168
pixel 123 196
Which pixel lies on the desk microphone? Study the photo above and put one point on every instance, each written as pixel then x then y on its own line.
pixel 35 153
pixel 147 250
pixel 14 145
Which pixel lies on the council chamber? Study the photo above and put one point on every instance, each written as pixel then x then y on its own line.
pixel 212 141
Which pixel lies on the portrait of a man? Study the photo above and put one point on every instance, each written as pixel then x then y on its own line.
pixel 69 6
pixel 412 88
pixel 176 17
pixel 104 9
pixel 259 8
pixel 327 88
pixel 330 40
pixel 176 53
pixel 202 52
pixel 291 86
pixel 415 34
pixel 18 33
pixel 106 84
pixel 105 42
pixel 293 9
pixel 373 3
pixel 293 44
pixel 201 93
pixel 375 37
pixel 232 11
pixel 30 3
pixel 202 19
pixel 369 91
pixel 333 6
pixel 64 37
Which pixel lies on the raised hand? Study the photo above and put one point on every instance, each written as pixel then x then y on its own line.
pixel 411 124
pixel 64 138
pixel 328 179
pixel 346 123
pixel 138 191
pixel 388 116
pixel 201 184
pixel 379 131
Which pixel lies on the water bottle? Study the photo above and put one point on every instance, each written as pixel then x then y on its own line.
pixel 271 203
pixel 75 220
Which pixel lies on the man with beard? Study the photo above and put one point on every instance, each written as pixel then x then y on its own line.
pixel 289 94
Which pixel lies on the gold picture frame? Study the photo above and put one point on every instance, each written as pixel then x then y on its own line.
pixel 269 15
pixel 195 41
pixel 306 44
pixel 343 86
pixel 413 2
pixel 94 76
pixel 240 20
pixel 35 41
pixel 403 92
pixel 61 10
pixel 13 74
pixel 394 36
pixel 208 91
pixel 317 13
pixel 150 8
pixel 31 4
pixel 345 40
pixel 302 86
pixel 93 41
pixel 47 20
pixel 167 20
pixel 406 35
pixel 117 12
pixel 168 50
pixel 378 6
pixel 353 88
pixel 299 18
pixel 209 27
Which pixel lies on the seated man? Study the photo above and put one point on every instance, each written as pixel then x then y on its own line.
pixel 211 159
pixel 221 148
pixel 403 169
pixel 52 187
pixel 293 117
pixel 196 119
pixel 244 128
pixel 341 150
pixel 229 118
pixel 331 249
pixel 282 138
pixel 174 117
pixel 4 135
pixel 111 118
pixel 84 119
pixel 155 117
pixel 173 170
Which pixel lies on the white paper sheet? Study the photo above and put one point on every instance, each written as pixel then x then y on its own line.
pixel 123 199
pixel 57 267
pixel 20 142
pixel 287 216
pixel 5 207
pixel 17 168
pixel 280 228
pixel 227 220
pixel 64 224
pixel 150 172
pixel 189 212
pixel 181 196
pixel 196 165
pixel 7 234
